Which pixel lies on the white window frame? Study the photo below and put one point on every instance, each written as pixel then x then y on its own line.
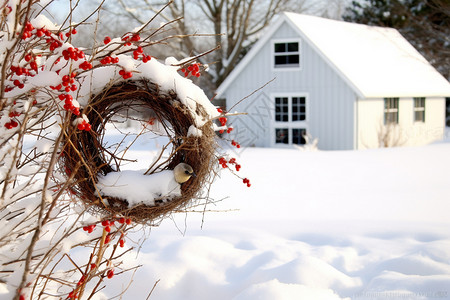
pixel 419 109
pixel 287 67
pixel 290 124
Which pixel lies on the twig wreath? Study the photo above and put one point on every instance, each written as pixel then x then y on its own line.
pixel 84 152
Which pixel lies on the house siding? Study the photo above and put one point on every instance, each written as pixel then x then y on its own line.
pixel 331 102
pixel 371 129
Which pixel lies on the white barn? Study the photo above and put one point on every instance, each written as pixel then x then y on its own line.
pixel 351 86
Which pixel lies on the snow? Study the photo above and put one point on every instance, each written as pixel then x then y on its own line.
pixel 137 188
pixel 367 54
pixel 367 224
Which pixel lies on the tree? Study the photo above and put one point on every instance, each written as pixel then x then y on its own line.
pixel 424 23
pixel 233 24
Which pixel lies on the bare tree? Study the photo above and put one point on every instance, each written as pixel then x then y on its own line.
pixel 233 24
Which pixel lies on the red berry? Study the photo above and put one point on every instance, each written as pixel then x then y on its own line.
pixel 87 127
pixel 107 229
pixel 80 126
pixel 128 221
pixel 91 228
pixel 121 243
pixel 105 223
pixel 107 40
pixel 110 273
pixel 107 239
pixel 122 220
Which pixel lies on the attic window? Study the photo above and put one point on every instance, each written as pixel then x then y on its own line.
pixel 287 55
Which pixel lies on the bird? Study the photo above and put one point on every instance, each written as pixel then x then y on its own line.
pixel 183 172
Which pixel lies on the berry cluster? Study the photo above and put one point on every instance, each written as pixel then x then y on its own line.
pixel 232 161
pixel 73 53
pixel 125 74
pixel 193 69
pixel 128 38
pixel 235 144
pixel 223 161
pixel 246 181
pixel 12 123
pixel 85 65
pixel 109 60
pixel 83 125
pixel 89 228
pixel 140 52
pixel 107 224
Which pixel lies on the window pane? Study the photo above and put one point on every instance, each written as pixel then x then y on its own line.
pixel 419 102
pixel 281 60
pixel 391 117
pixel 419 116
pixel 298 136
pixel 293 59
pixel 298 108
pixel 280 47
pixel 292 47
pixel 281 136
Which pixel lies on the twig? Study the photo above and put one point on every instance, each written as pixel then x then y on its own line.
pixel 153 288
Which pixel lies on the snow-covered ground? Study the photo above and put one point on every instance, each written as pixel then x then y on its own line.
pixel 368 224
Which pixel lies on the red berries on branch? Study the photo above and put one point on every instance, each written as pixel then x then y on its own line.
pixel 125 74
pixel 193 69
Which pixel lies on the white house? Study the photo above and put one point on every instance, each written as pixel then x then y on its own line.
pixel 351 86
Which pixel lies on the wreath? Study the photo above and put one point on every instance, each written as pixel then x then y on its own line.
pixel 86 159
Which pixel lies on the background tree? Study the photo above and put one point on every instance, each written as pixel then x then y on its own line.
pixel 425 24
pixel 234 24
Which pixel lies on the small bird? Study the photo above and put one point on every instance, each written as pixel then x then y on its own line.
pixel 183 172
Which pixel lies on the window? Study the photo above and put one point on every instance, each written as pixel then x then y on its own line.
pixel 282 136
pixel 419 109
pixel 281 109
pixel 390 111
pixel 298 108
pixel 290 118
pixel 298 136
pixel 287 55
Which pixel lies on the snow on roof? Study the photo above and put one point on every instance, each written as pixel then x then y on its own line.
pixel 374 61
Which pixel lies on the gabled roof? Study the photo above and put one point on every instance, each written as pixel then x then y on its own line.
pixel 374 61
